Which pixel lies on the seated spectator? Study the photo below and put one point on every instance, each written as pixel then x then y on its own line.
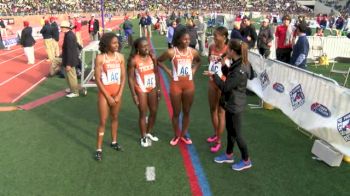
pixel 319 32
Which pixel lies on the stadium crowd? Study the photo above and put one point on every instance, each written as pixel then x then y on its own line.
pixel 32 7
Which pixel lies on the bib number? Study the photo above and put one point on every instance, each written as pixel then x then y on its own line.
pixel 214 67
pixel 184 70
pixel 150 80
pixel 112 77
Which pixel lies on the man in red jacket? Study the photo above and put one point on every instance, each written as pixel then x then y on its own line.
pixel 284 39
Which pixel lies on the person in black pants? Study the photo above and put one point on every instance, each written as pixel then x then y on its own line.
pixel 233 100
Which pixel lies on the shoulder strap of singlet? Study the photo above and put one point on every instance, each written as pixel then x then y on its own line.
pixel 175 49
pixel 190 51
pixel 104 58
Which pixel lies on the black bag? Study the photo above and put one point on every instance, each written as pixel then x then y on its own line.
pixel 252 73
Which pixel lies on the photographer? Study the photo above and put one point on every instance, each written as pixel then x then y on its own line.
pixel 233 100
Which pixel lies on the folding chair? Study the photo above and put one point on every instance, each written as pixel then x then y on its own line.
pixel 316 50
pixel 344 72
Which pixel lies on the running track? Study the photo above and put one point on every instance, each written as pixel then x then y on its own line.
pixel 17 78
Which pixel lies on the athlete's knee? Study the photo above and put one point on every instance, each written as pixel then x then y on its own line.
pixel 213 109
pixel 143 113
pixel 103 122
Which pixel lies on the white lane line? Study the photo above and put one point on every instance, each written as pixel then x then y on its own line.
pixel 29 89
pixel 15 76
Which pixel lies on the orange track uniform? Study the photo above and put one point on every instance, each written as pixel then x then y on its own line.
pixel 182 72
pixel 110 76
pixel 144 74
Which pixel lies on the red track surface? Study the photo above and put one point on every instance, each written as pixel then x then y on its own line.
pixel 17 77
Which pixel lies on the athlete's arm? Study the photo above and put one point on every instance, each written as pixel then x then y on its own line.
pixel 165 56
pixel 209 53
pixel 122 78
pixel 196 61
pixel 98 71
pixel 156 72
pixel 131 79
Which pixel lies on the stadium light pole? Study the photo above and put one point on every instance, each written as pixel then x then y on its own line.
pixel 102 15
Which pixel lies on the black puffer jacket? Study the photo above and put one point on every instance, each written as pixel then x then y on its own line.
pixel 233 89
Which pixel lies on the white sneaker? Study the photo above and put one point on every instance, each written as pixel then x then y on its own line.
pixel 152 137
pixel 72 95
pixel 67 90
pixel 144 142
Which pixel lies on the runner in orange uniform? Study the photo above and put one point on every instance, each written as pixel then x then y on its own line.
pixel 110 80
pixel 182 88
pixel 216 53
pixel 144 86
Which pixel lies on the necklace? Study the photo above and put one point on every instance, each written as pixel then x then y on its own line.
pixel 144 58
pixel 182 54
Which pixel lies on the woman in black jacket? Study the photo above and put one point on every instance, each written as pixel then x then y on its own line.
pixel 233 100
pixel 192 31
pixel 27 41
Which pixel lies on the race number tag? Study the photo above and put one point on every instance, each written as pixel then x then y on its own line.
pixel 150 80
pixel 111 77
pixel 184 70
pixel 214 67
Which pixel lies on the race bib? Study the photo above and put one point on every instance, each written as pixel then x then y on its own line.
pixel 184 70
pixel 150 80
pixel 111 77
pixel 214 67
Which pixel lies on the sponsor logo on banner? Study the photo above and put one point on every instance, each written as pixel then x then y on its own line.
pixel 320 109
pixel 264 79
pixel 10 42
pixel 343 125
pixel 297 97
pixel 278 87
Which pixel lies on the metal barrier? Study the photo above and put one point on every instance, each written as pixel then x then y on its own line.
pixel 88 65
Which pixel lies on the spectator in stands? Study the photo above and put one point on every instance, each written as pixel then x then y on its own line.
pixel 70 58
pixel 284 36
pixel 3 28
pixel 201 30
pixel 192 32
pixel 27 41
pixel 323 22
pixel 127 27
pixel 319 32
pixel 331 21
pixel 248 32
pixel 339 24
pixel 235 33
pixel 46 32
pixel 301 48
pixel 55 36
pixel 265 38
pixel 77 28
pixel 93 28
pixel 170 34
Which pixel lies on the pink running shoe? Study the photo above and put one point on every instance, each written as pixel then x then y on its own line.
pixel 174 141
pixel 212 139
pixel 186 140
pixel 215 148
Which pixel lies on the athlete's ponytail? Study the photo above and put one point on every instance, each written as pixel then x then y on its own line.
pixel 241 48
